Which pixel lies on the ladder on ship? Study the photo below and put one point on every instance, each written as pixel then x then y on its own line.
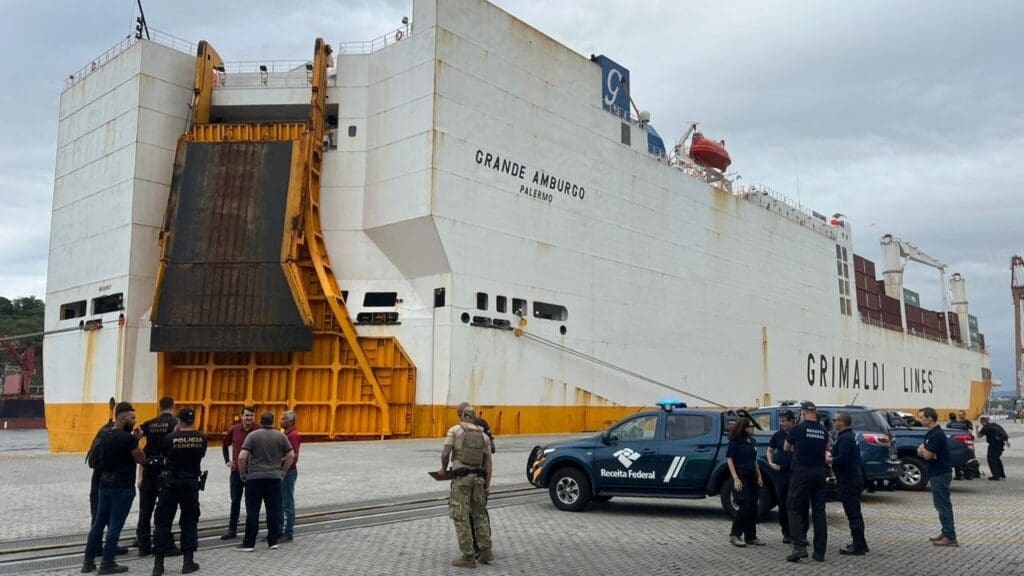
pixel 248 310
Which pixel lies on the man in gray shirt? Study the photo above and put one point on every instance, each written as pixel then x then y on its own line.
pixel 265 457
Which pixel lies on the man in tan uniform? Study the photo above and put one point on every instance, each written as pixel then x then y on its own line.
pixel 468 448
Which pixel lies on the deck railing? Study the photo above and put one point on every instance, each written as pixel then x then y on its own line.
pixel 162 38
pixel 370 46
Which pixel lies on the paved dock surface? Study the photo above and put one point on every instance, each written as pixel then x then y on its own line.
pixel 47 495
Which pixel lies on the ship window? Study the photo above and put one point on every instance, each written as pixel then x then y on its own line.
pixel 839 267
pixel 72 310
pixel 839 252
pixel 626 133
pixel 520 307
pixel 844 253
pixel 846 270
pixel 438 297
pixel 380 299
pixel 501 304
pixel 481 301
pixel 550 311
pixel 352 131
pixel 110 303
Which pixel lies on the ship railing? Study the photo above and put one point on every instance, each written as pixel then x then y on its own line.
pixel 371 46
pixel 912 332
pixel 795 211
pixel 162 38
pixel 269 74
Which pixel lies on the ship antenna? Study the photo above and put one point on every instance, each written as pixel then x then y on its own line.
pixel 854 401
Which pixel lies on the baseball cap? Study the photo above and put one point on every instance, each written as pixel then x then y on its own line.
pixel 808 405
pixel 187 415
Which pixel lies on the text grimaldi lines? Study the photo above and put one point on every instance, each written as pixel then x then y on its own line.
pixel 541 186
pixel 856 374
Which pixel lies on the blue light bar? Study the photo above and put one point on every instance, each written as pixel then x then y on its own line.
pixel 669 405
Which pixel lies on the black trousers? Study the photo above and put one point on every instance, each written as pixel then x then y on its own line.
pixel 782 493
pixel 995 460
pixel 237 490
pixel 260 492
pixel 183 493
pixel 745 523
pixel 147 503
pixel 849 494
pixel 94 494
pixel 807 487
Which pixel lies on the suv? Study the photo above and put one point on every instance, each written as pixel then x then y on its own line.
pixel 670 453
pixel 874 437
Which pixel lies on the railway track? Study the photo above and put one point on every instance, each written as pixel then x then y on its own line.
pixel 65 551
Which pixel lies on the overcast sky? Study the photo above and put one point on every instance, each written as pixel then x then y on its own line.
pixel 906 116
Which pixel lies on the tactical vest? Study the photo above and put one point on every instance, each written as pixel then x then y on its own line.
pixel 471 446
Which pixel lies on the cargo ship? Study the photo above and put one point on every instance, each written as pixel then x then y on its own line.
pixel 462 209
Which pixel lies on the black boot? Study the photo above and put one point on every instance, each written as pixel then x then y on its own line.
pixel 188 565
pixel 158 565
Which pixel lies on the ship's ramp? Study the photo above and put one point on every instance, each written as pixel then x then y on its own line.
pixel 224 286
pixel 248 310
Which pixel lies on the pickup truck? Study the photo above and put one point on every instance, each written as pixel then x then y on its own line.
pixel 879 462
pixel 674 452
pixel 913 471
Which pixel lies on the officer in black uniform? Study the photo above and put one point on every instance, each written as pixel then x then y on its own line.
pixel 807 441
pixel 154 430
pixel 846 463
pixel 183 452
pixel 782 462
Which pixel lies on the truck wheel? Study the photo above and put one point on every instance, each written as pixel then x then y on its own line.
pixel 570 490
pixel 913 474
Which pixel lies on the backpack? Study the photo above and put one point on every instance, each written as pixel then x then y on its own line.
pixel 471 450
pixel 94 457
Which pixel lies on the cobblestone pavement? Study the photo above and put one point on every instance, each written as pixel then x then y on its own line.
pixel 634 536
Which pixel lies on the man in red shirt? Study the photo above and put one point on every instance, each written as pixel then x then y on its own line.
pixel 288 485
pixel 233 439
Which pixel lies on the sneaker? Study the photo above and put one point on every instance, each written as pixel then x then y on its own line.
pixel 114 568
pixel 737 542
pixel 244 548
pixel 121 551
pixel 819 557
pixel 88 566
pixel 851 551
pixel 463 562
pixel 273 546
pixel 229 536
pixel 936 538
pixel 946 542
pixel 189 568
pixel 755 542
pixel 486 556
pixel 796 555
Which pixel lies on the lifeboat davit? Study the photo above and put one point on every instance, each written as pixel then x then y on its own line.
pixel 709 152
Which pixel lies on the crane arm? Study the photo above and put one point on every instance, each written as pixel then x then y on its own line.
pixel 911 252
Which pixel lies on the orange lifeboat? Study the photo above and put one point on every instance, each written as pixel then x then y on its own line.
pixel 709 153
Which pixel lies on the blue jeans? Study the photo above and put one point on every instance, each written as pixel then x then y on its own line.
pixel 940 497
pixel 288 501
pixel 111 512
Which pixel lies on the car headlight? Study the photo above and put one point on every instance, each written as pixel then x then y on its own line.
pixel 548 451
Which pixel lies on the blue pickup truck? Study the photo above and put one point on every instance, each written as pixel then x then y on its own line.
pixel 874 437
pixel 674 452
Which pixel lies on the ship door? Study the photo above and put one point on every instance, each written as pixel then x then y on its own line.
pixel 627 457
pixel 686 452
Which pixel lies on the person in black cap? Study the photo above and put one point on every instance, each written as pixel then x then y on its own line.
pixel 782 462
pixel 807 441
pixel 846 463
pixel 183 451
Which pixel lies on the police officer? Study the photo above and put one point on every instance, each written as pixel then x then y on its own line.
pixel 846 464
pixel 183 451
pixel 807 441
pixel 782 462
pixel 468 448
pixel 149 474
pixel 996 438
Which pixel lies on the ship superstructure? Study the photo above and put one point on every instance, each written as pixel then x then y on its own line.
pixel 471 177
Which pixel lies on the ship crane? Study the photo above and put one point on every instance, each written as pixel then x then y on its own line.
pixel 896 254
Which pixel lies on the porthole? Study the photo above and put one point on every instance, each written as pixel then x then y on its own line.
pixel 465 317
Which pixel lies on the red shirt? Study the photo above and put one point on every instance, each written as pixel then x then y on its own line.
pixel 293 437
pixel 234 438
